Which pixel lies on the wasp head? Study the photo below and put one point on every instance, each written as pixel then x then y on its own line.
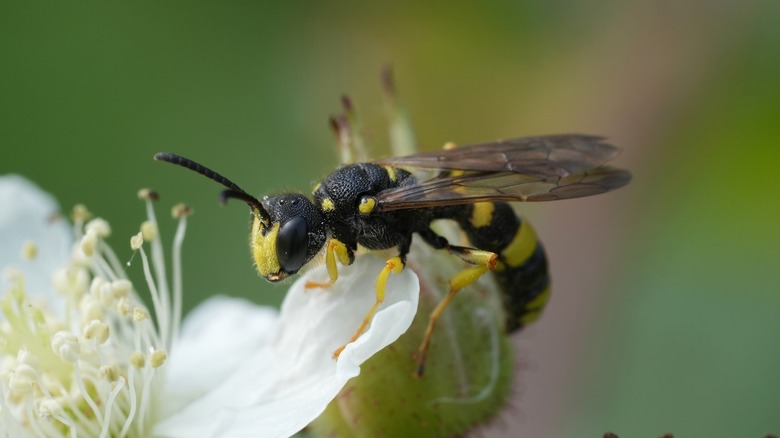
pixel 286 235
pixel 287 230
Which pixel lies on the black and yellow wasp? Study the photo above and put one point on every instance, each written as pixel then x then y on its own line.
pixel 380 205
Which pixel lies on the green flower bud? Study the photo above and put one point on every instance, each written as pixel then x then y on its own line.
pixel 468 372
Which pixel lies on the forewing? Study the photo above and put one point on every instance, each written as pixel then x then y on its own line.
pixel 502 186
pixel 552 155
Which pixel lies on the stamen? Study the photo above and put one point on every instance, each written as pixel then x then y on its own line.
pixel 100 227
pixel 181 212
pixel 96 330
pixel 90 309
pixel 49 409
pixel 83 421
pixel 163 312
pixel 80 215
pixel 124 307
pixel 136 241
pixel 113 260
pixel 149 231
pixel 148 195
pixel 121 288
pixel 31 418
pixel 85 394
pixel 66 346
pixel 137 360
pixel 89 242
pixel 96 356
pixel 144 405
pixel 158 309
pixel 157 358
pixel 102 268
pixel 110 404
pixel 110 372
pixel 133 398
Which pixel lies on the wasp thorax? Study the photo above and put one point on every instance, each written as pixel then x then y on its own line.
pixel 293 236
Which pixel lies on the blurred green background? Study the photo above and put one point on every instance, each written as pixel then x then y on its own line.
pixel 666 308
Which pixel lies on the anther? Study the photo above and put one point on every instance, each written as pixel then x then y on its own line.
pixel 137 359
pixel 140 314
pixel 137 241
pixel 148 195
pixel 109 372
pixel 181 210
pixel 106 295
pixel 25 373
pixel 80 213
pixel 149 231
pixel 99 226
pixel 97 330
pixel 94 287
pixel 89 242
pixel 121 287
pixel 48 409
pixel 19 384
pixel 66 346
pixel 157 358
pixel 124 307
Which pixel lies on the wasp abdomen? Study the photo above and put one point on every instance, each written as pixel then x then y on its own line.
pixel 521 271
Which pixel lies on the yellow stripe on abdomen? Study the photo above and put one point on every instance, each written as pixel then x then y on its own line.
pixel 482 214
pixel 534 307
pixel 521 247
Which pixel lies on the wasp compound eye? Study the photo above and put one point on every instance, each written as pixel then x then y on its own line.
pixel 292 244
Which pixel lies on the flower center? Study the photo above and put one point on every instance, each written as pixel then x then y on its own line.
pixel 92 370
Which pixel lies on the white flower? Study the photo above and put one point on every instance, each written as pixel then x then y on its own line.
pixel 92 362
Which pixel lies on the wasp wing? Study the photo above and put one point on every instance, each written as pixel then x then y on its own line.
pixel 552 155
pixel 524 169
pixel 503 186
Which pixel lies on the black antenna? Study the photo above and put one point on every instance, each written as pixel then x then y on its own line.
pixel 234 191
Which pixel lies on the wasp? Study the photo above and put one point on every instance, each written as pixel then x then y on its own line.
pixel 383 204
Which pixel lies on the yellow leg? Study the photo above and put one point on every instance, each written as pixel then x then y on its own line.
pixel 486 261
pixel 335 249
pixel 394 265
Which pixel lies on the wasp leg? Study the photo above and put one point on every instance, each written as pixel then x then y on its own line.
pixel 484 260
pixel 471 256
pixel 394 265
pixel 334 249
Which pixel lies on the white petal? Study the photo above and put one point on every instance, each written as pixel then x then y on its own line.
pixel 216 338
pixel 288 383
pixel 27 214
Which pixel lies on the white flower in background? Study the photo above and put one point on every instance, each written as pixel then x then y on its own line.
pixel 92 362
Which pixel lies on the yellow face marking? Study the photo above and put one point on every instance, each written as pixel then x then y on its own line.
pixel 328 205
pixel 449 146
pixel 367 204
pixel 391 173
pixel 482 214
pixel 521 247
pixel 316 187
pixel 264 248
